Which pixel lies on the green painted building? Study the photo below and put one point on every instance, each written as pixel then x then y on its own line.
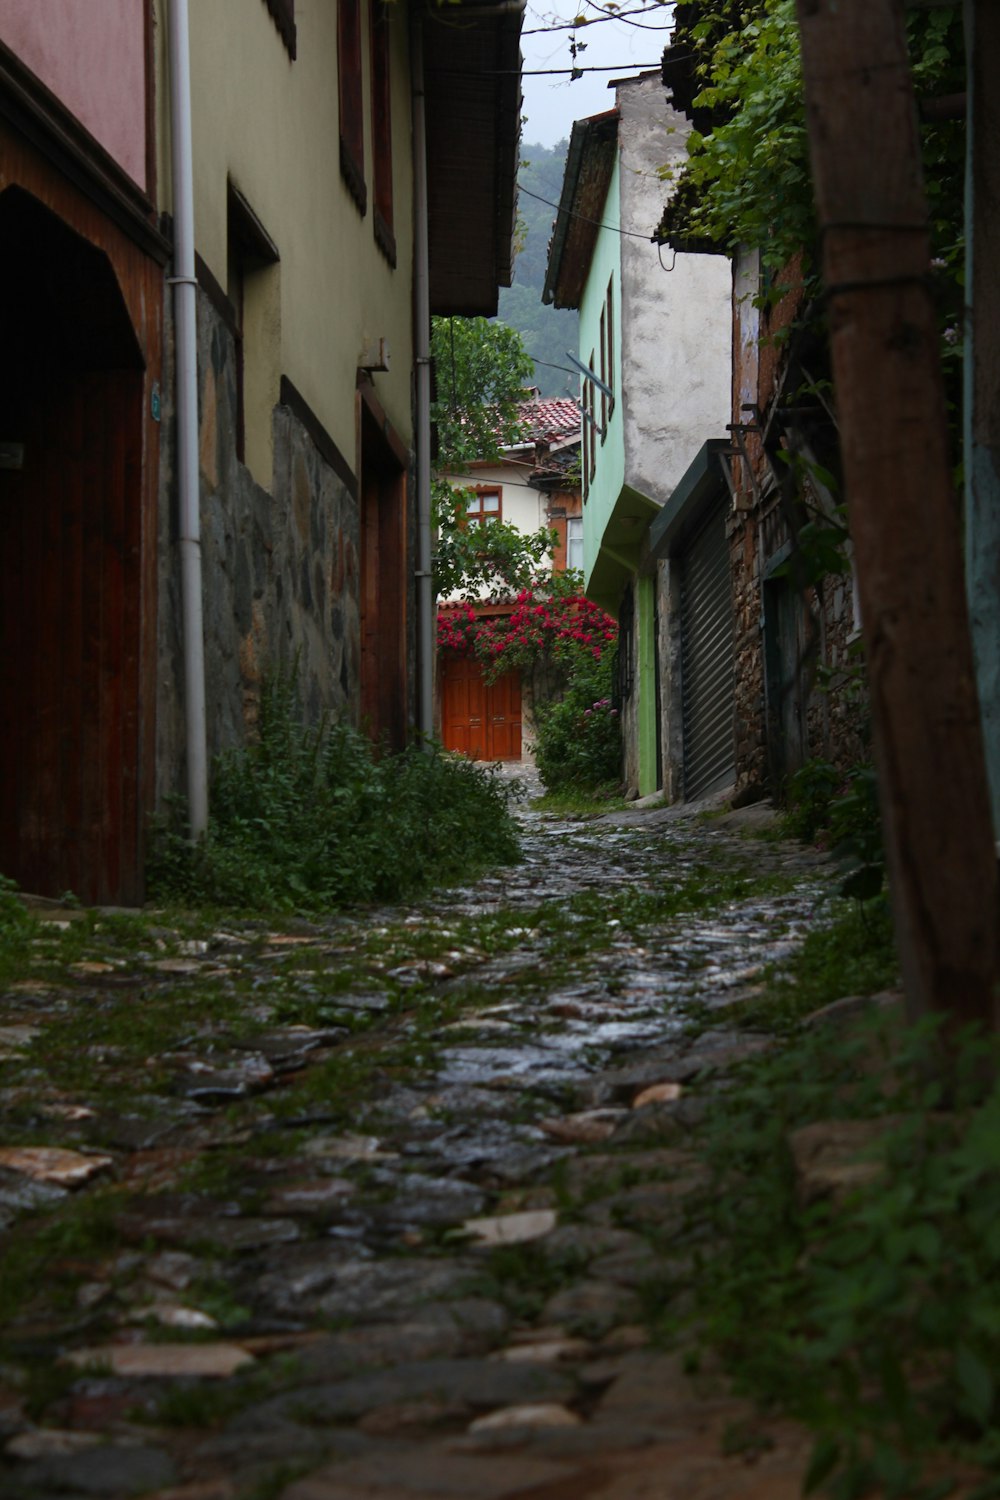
pixel 655 337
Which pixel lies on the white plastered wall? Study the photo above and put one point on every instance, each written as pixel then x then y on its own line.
pixel 676 325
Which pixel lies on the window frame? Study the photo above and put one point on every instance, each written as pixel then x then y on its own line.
pixel 608 337
pixel 350 100
pixel 604 376
pixel 282 13
pixel 574 523
pixel 593 420
pixel 478 493
pixel 249 248
pixel 381 124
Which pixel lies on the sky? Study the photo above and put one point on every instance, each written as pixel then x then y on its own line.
pixel 552 103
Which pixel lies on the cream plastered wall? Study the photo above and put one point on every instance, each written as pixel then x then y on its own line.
pixel 271 126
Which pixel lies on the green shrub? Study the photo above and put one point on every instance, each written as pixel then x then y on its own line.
pixel 578 741
pixel 840 809
pixel 16 925
pixel 307 818
pixel 872 1315
pixel 811 790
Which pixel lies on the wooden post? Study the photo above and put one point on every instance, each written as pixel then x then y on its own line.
pixel 982 372
pixel 904 513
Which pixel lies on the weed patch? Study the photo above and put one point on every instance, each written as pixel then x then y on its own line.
pixel 308 819
pixel 17 928
pixel 853 954
pixel 567 803
pixel 873 1315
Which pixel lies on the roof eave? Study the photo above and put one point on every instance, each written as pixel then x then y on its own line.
pixel 589 166
pixel 473 111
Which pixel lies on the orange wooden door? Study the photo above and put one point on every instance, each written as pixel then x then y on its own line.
pixel 503 707
pixel 480 721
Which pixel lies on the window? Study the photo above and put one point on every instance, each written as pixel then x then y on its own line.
pixel 584 440
pixel 352 127
pixel 483 505
pixel 283 16
pixel 604 374
pixel 608 344
pixel 574 542
pixel 382 131
pixel 592 424
pixel 253 292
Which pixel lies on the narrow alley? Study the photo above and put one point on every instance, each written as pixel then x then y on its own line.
pixel 393 1205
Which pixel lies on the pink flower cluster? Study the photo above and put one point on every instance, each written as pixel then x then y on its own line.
pixel 534 626
pixel 603 705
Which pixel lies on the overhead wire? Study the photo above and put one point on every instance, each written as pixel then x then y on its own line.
pixel 629 233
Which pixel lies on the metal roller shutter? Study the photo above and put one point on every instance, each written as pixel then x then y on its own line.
pixel 707 658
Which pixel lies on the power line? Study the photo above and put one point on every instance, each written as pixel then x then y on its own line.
pixel 577 25
pixel 630 233
pixel 577 72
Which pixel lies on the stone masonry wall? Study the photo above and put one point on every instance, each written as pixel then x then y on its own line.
pixel 280 569
pixel 832 697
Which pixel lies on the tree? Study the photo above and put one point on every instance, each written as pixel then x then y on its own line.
pixel 482 372
pixel 548 331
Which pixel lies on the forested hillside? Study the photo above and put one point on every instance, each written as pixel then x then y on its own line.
pixel 548 332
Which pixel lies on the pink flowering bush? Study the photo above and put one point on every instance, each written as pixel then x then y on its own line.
pixel 578 741
pixel 559 624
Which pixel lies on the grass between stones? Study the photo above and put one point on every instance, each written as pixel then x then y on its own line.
pixel 852 952
pixel 869 1311
pixel 104 1038
pixel 570 804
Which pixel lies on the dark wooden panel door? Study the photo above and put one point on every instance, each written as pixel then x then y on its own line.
pixel 69 635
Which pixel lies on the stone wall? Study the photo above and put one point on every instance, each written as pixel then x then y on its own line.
pixel 280 569
pixel 797 685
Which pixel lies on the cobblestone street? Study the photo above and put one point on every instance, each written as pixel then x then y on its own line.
pixel 382 1207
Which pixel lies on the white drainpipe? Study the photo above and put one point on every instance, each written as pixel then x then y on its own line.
pixel 422 382
pixel 186 355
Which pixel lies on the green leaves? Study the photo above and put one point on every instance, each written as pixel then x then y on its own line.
pixel 307 819
pixel 482 371
pixel 875 1314
pixel 975 1382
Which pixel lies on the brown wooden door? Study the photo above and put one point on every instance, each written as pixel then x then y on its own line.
pixel 480 721
pixel 69 638
pixel 72 635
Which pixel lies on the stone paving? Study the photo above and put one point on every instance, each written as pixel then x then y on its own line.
pixel 382 1215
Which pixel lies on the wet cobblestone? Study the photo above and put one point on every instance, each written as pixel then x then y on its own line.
pixel 300 1185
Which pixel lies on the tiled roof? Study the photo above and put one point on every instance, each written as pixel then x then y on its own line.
pixel 550 420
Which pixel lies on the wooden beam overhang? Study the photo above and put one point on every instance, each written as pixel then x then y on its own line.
pixel 472 76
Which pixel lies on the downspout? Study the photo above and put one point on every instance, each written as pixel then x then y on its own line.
pixel 186 354
pixel 422 382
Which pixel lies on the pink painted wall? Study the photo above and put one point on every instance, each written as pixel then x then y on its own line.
pixel 92 55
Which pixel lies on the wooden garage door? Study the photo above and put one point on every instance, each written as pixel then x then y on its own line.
pixel 479 720
pixel 707 658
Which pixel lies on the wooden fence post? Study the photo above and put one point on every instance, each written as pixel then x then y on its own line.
pixel 903 509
